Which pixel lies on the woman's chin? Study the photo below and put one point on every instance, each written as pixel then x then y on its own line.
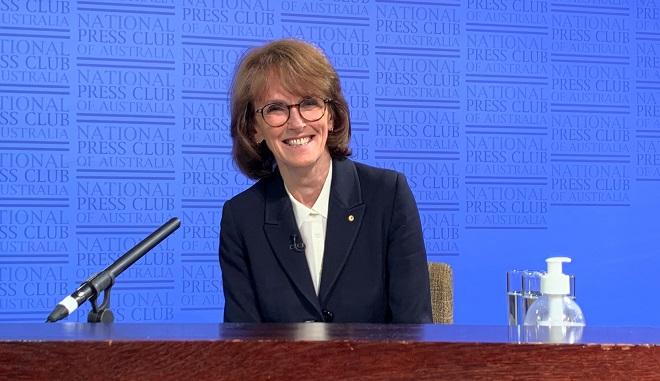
pixel 301 159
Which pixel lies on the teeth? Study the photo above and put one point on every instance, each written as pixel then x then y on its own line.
pixel 298 141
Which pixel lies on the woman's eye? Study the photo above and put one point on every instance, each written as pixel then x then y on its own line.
pixel 275 108
pixel 310 102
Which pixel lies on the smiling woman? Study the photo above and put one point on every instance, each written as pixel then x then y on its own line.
pixel 318 237
pixel 289 69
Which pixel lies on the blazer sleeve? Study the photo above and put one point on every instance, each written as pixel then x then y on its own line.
pixel 240 299
pixel 408 281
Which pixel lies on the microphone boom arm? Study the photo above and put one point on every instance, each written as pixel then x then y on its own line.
pixel 103 281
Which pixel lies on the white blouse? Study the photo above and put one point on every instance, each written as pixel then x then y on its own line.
pixel 312 223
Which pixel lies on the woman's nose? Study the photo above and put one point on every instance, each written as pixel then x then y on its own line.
pixel 295 119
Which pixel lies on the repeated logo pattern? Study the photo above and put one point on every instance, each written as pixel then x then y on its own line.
pixel 506 116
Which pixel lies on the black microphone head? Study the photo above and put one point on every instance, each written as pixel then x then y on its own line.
pixel 59 313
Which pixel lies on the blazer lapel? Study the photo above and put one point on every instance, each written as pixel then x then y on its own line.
pixel 345 214
pixel 279 225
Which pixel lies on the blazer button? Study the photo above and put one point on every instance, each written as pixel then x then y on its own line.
pixel 328 316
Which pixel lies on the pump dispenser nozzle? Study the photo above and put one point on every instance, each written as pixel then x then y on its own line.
pixel 555 282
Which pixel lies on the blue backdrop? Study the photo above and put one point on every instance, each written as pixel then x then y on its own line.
pixel 527 128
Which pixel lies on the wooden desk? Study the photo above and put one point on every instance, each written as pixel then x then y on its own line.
pixel 318 351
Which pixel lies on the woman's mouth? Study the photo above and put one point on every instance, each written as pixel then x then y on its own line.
pixel 298 141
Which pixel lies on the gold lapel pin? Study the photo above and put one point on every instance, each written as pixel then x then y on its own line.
pixel 351 218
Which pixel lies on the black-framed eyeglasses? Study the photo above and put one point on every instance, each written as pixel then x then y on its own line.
pixel 277 114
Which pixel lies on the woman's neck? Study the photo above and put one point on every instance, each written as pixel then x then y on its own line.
pixel 305 184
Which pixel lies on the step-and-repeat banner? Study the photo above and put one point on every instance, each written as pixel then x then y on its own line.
pixel 526 128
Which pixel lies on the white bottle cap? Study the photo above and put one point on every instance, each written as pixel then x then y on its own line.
pixel 555 282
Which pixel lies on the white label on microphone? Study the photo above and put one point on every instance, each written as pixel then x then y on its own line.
pixel 69 303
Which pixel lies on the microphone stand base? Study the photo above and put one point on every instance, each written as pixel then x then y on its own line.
pixel 101 316
pixel 102 313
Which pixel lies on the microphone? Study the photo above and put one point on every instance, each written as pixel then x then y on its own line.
pixel 296 245
pixel 106 278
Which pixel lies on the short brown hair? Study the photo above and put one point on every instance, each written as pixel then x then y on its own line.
pixel 301 69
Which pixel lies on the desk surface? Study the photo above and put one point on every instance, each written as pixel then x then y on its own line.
pixel 319 351
pixel 425 333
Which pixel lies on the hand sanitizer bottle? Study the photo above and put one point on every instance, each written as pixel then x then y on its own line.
pixel 554 314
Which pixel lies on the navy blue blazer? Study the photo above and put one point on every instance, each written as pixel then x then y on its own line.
pixel 374 264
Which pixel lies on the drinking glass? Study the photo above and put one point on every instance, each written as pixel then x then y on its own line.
pixel 514 292
pixel 523 287
pixel 531 290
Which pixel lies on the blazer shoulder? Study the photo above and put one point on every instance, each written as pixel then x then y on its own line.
pixel 380 178
pixel 251 196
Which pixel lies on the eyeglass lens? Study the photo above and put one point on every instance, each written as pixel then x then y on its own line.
pixel 277 114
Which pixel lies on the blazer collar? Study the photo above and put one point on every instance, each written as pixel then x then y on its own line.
pixel 345 217
pixel 345 187
pixel 280 227
pixel 345 191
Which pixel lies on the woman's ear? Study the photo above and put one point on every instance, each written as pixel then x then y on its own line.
pixel 258 137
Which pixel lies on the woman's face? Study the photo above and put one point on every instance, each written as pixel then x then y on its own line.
pixel 298 144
